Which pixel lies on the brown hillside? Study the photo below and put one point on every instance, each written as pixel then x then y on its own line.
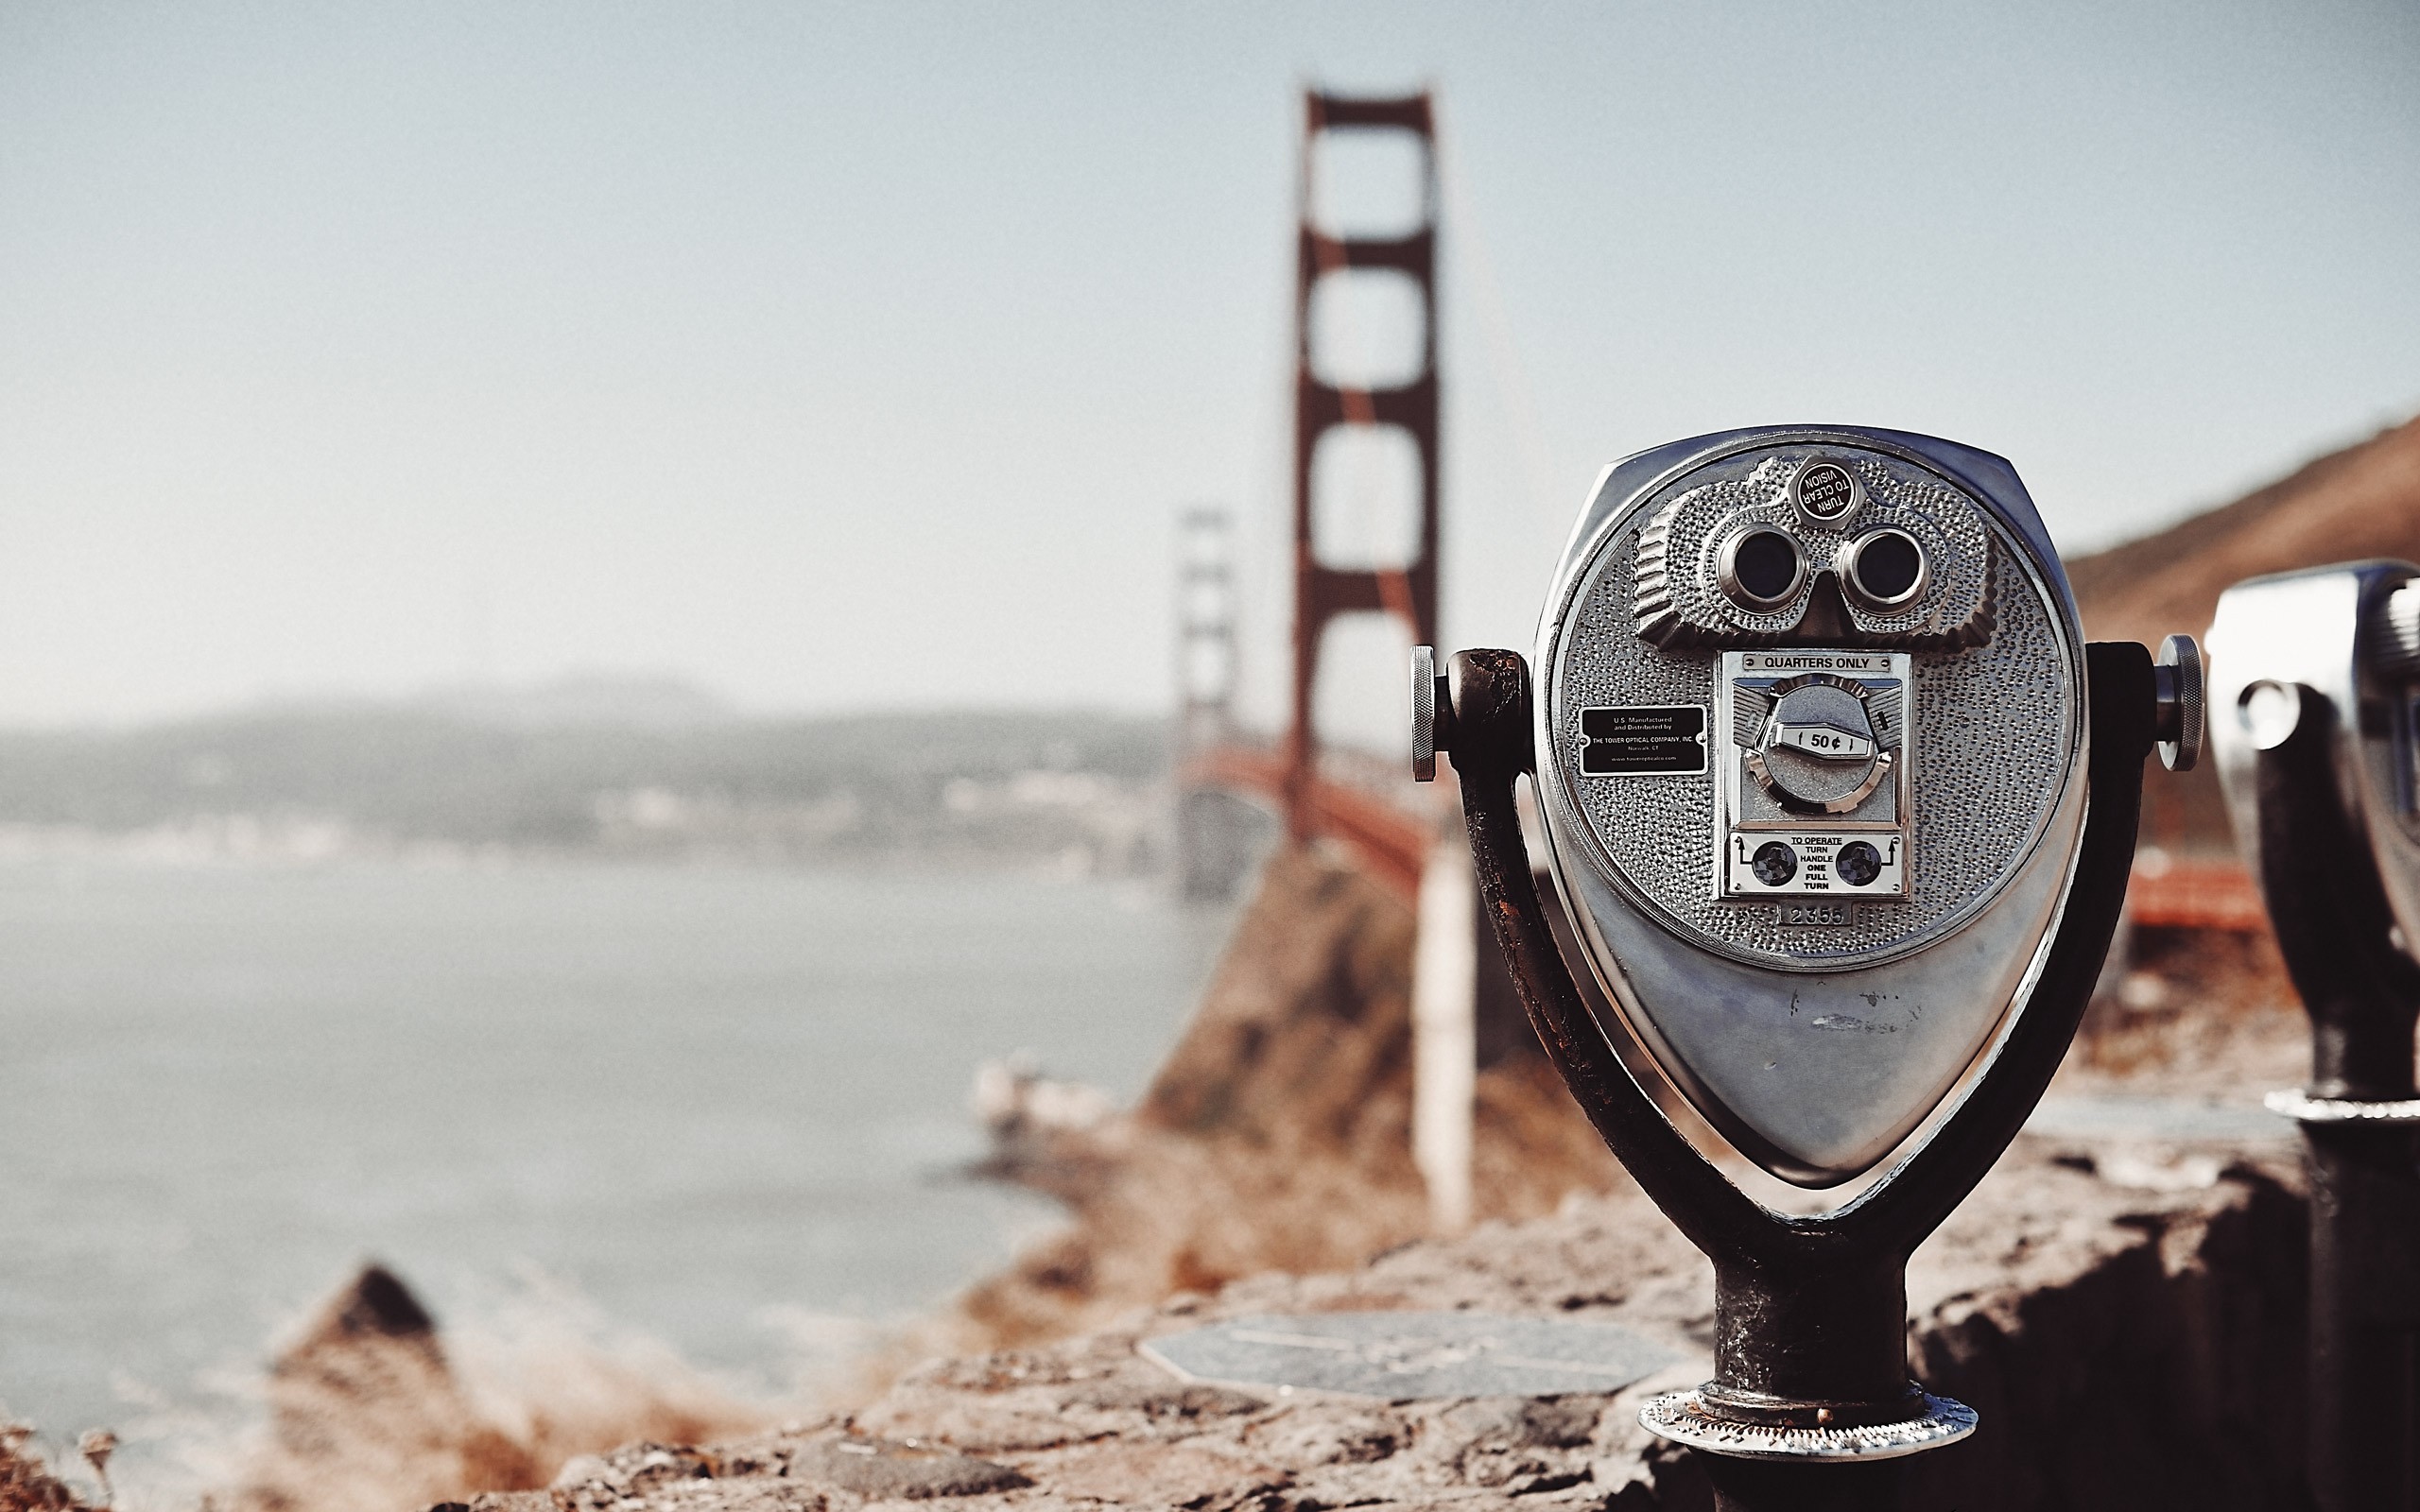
pixel 2363 501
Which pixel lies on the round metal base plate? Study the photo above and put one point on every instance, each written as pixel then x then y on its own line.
pixel 1679 1416
pixel 2303 1108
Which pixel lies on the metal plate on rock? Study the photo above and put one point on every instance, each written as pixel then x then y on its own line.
pixel 1403 1356
pixel 2182 1120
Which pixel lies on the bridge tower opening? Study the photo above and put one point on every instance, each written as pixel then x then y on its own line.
pixel 1218 835
pixel 1325 401
pixel 1206 630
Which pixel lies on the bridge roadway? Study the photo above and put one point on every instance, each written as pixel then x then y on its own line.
pixel 1391 843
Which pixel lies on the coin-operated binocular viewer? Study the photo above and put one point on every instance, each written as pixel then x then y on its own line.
pixel 2315 688
pixel 1842 809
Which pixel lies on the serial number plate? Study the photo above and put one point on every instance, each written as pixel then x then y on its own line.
pixel 1816 914
pixel 1640 742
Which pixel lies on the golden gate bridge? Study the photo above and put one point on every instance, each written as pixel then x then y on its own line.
pixel 1393 836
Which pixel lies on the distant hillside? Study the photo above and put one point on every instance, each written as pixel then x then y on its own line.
pixel 2363 501
pixel 459 774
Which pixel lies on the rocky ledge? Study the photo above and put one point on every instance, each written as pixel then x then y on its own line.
pixel 2127 1319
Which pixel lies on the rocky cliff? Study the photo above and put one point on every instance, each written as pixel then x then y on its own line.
pixel 1277 1135
pixel 2130 1329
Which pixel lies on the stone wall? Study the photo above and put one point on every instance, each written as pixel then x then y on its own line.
pixel 2127 1320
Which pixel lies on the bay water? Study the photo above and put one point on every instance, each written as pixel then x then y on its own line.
pixel 718 1106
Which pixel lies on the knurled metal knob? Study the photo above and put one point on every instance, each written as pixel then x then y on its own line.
pixel 2394 634
pixel 1429 699
pixel 2182 722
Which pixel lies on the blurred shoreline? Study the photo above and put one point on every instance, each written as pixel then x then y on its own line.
pixel 722 1107
pixel 590 768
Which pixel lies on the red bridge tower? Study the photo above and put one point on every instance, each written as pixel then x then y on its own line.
pixel 1321 591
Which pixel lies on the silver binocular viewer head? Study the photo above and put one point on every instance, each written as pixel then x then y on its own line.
pixel 2330 655
pixel 1811 745
pixel 1841 810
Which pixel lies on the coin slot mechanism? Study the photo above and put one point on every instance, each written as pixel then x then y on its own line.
pixel 1812 786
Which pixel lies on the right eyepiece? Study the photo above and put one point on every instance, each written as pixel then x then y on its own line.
pixel 1760 568
pixel 1885 569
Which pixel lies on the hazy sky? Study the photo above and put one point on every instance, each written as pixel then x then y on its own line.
pixel 852 357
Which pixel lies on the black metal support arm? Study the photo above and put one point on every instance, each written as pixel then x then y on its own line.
pixel 2335 930
pixel 2333 923
pixel 1811 1313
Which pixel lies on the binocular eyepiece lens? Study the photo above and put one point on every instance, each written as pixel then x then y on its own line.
pixel 1761 569
pixel 1886 569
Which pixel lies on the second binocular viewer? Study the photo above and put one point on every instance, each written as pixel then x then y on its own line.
pixel 1841 810
pixel 2315 700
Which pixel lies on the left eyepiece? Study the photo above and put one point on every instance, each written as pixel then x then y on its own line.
pixel 1760 568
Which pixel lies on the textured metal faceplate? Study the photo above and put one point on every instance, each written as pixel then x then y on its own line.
pixel 1680 603
pixel 1817 1076
pixel 1818 1051
pixel 1995 738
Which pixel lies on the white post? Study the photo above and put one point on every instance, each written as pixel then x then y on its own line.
pixel 1444 1045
